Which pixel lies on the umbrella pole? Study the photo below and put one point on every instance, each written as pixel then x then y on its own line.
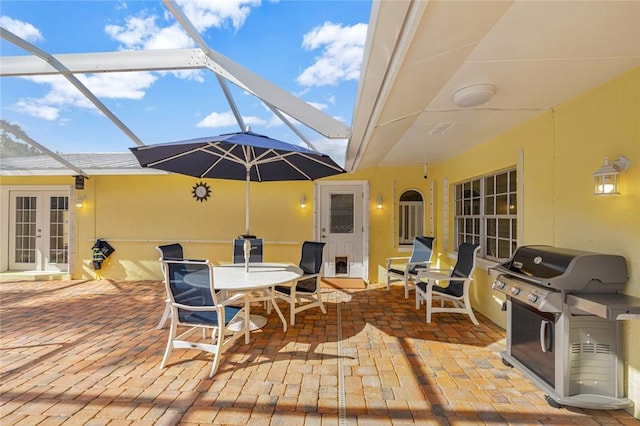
pixel 246 220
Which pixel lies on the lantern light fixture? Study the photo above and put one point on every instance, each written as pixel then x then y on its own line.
pixel 79 181
pixel 605 179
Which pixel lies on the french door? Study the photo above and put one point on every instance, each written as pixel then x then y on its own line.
pixel 39 230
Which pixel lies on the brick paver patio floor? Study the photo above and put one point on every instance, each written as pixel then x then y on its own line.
pixel 88 353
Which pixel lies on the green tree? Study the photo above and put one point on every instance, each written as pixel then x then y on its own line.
pixel 10 147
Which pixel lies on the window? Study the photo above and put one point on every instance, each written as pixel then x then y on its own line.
pixel 486 210
pixel 410 217
pixel 342 219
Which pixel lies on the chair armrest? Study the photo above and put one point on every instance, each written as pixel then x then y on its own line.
pixel 432 274
pixel 236 297
pixel 399 258
pixel 426 264
pixel 206 308
pixel 439 271
pixel 307 276
pixel 434 277
pixel 391 260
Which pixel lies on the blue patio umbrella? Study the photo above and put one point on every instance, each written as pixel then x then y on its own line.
pixel 244 156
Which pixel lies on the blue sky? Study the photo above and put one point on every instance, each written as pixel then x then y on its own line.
pixel 312 49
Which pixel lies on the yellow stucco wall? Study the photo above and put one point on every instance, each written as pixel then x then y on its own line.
pixel 137 213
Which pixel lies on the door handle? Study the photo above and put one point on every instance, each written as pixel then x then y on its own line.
pixel 545 336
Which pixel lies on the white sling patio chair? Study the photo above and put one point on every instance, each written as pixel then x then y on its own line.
pixel 305 293
pixel 405 269
pixel 454 294
pixel 199 308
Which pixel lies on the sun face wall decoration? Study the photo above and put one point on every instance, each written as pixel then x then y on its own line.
pixel 201 191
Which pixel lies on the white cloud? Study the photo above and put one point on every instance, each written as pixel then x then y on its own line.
pixel 341 58
pixel 205 14
pixel 142 33
pixel 227 119
pixel 125 85
pixel 63 93
pixel 36 108
pixel 172 37
pixel 23 30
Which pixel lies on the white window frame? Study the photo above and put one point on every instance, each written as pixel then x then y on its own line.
pixel 415 211
pixel 477 217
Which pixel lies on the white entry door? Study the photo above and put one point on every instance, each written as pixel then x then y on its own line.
pixel 39 230
pixel 342 224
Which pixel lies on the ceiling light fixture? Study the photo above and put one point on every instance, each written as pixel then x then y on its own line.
pixel 474 95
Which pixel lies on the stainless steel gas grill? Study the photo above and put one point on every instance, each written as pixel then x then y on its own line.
pixel 564 309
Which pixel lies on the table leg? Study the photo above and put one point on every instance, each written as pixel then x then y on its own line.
pixel 254 322
pixel 247 320
pixel 275 306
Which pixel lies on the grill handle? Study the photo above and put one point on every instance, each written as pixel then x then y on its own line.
pixel 545 336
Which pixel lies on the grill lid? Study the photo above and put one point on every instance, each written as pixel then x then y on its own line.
pixel 568 269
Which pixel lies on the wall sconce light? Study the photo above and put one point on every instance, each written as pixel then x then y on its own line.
pixel 379 201
pixel 303 202
pixel 80 202
pixel 80 181
pixel 605 179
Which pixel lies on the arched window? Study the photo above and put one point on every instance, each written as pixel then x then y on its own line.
pixel 410 217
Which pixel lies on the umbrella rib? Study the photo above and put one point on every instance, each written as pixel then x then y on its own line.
pixel 309 157
pixel 283 158
pixel 172 157
pixel 224 154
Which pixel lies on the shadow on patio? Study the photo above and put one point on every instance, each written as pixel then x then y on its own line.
pixel 89 353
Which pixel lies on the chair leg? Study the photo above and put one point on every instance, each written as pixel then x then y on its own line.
pixel 292 305
pixel 319 297
pixel 406 285
pixel 216 355
pixel 428 302
pixel 167 351
pixel 165 316
pixel 467 306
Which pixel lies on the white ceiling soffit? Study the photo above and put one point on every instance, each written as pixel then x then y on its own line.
pixel 538 54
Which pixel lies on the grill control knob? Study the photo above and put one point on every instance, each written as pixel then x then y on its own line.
pixel 532 298
pixel 515 291
pixel 499 285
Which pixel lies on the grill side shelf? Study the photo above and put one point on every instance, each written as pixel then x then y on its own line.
pixel 610 306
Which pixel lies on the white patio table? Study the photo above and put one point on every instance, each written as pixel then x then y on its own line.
pixel 260 276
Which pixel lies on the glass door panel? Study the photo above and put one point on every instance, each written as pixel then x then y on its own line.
pixel 39 231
